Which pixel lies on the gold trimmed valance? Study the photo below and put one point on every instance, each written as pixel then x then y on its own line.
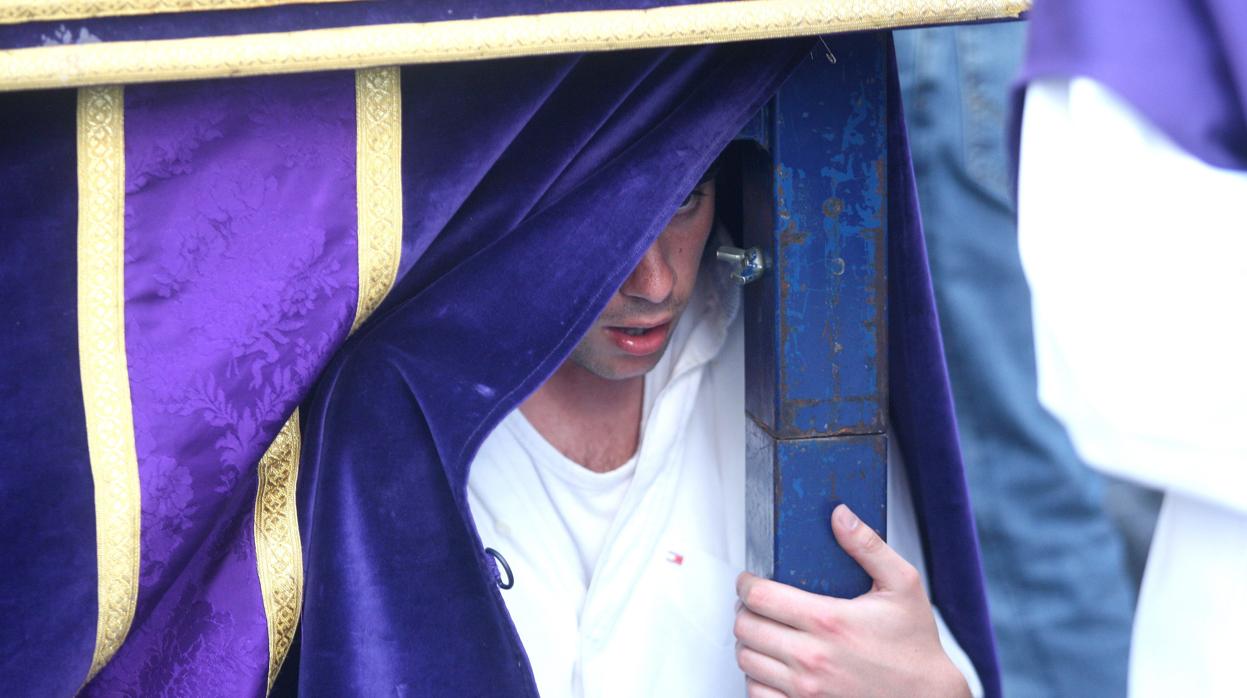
pixel 473 39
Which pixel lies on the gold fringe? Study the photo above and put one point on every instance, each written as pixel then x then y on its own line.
pixel 102 362
pixel 476 39
pixel 19 11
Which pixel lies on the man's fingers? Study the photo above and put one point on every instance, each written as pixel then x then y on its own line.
pixel 889 570
pixel 757 689
pixel 764 635
pixel 759 667
pixel 782 603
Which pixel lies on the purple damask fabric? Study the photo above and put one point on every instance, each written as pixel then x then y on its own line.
pixel 240 281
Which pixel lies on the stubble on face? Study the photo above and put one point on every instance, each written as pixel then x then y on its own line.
pixel 678 251
pixel 592 359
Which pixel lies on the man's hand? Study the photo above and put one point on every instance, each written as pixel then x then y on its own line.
pixel 882 643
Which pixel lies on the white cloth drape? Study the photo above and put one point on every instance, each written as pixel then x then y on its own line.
pixel 1136 253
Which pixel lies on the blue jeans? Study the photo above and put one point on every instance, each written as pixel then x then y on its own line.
pixel 1061 598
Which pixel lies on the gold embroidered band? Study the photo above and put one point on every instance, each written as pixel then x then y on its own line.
pixel 278 550
pixel 379 205
pixel 102 362
pixel 475 39
pixel 379 194
pixel 17 11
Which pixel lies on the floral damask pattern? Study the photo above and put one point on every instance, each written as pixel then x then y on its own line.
pixel 240 280
pixel 168 503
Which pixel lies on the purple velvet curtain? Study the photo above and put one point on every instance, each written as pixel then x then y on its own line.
pixel 530 188
pixel 521 249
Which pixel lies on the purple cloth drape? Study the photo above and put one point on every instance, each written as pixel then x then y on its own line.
pixel 240 282
pixel 560 181
pixel 47 510
pixel 923 418
pixel 530 188
pixel 1181 63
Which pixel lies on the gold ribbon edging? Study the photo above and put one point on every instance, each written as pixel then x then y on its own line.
pixel 379 208
pixel 102 363
pixel 278 549
pixel 379 193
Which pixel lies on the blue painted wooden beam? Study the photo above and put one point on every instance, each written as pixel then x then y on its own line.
pixel 816 378
pixel 793 485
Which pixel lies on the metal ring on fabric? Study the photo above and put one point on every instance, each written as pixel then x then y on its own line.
pixel 502 561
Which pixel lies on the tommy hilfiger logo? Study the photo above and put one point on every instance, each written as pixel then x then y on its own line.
pixel 675 558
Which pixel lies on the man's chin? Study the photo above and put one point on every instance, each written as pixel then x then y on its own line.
pixel 617 368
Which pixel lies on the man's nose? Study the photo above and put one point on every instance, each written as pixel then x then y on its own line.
pixel 652 280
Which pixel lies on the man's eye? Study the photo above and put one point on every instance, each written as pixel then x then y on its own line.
pixel 690 201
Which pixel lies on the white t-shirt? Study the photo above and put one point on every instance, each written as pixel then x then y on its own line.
pixel 624 582
pixel 585 502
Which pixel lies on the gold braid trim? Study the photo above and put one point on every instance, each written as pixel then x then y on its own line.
pixel 379 193
pixel 278 550
pixel 476 39
pixel 102 362
pixel 18 11
pixel 279 553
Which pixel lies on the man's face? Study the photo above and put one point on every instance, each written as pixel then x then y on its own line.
pixel 631 334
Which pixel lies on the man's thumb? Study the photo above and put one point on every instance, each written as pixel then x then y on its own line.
pixel 882 563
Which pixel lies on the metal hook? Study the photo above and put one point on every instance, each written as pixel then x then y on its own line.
pixel 830 56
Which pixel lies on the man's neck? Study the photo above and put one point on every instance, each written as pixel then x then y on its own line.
pixel 593 421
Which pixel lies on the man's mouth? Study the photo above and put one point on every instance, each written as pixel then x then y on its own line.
pixel 639 341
